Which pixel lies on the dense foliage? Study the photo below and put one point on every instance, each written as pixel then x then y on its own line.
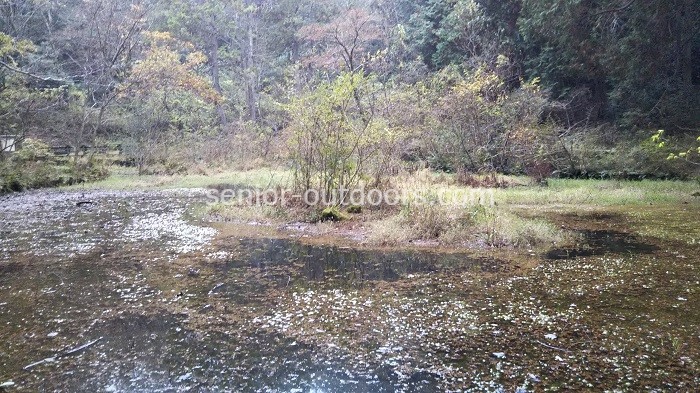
pixel 354 90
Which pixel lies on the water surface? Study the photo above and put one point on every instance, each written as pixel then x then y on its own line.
pixel 177 305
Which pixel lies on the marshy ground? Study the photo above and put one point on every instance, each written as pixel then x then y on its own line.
pixel 169 301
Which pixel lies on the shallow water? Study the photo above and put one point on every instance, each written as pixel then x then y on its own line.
pixel 179 306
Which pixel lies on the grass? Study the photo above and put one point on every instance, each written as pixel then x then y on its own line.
pixel 128 179
pixel 437 209
pixel 558 192
pixel 249 214
pixel 508 217
pixel 600 193
pixel 473 226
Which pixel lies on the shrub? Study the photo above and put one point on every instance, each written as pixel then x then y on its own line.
pixel 87 170
pixel 477 123
pixel 539 171
pixel 336 141
pixel 491 180
pixel 355 209
pixel 332 214
pixel 35 166
pixel 31 167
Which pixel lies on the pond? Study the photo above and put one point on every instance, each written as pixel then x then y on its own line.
pixel 127 291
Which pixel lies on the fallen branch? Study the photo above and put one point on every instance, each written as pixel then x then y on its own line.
pixel 31 366
pixel 62 354
pixel 551 347
pixel 216 287
pixel 80 348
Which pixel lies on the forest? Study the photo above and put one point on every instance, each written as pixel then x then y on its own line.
pixel 571 88
pixel 349 195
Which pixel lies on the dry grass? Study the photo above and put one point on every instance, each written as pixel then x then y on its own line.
pixel 436 208
pixel 558 192
pixel 474 226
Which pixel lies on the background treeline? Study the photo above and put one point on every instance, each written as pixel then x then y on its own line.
pixel 347 90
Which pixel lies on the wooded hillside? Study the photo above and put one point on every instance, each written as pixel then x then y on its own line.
pixel 512 85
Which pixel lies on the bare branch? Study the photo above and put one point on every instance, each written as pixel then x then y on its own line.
pixel 624 7
pixel 29 74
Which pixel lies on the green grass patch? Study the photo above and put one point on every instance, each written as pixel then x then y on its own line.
pixel 558 192
pixel 128 179
pixel 598 193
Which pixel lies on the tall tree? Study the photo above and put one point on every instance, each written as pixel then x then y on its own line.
pixel 212 27
pixel 633 56
pixel 345 42
pixel 97 50
pixel 166 96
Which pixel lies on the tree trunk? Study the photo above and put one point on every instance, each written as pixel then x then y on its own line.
pixel 215 76
pixel 251 80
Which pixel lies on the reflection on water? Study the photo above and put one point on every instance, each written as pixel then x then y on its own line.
pixel 183 308
pixel 113 269
pixel 354 266
pixel 603 243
